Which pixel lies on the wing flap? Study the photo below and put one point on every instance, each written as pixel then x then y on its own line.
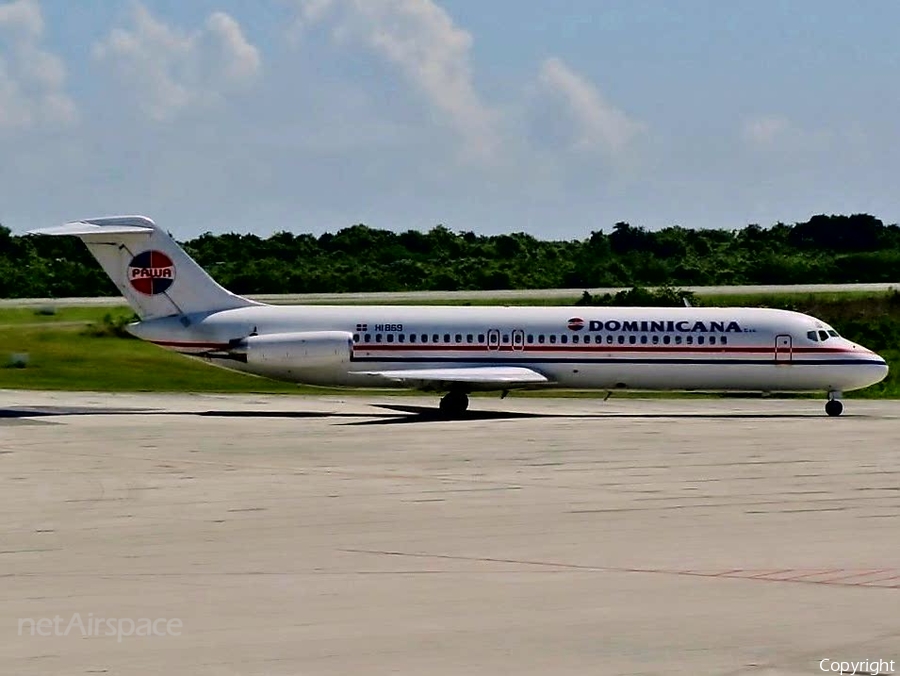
pixel 477 377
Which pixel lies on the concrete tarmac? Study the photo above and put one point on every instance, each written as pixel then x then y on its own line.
pixel 328 535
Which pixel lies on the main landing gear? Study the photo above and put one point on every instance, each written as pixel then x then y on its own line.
pixel 833 406
pixel 454 403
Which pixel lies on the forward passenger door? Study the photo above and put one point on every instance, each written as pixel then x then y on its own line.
pixel 783 349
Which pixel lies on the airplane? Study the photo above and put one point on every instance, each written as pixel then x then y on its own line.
pixel 460 350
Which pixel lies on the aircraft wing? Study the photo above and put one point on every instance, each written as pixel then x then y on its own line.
pixel 476 377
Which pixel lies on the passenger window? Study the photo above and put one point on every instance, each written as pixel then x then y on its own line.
pixel 401 337
pixel 377 337
pixel 678 340
pixel 643 340
pixel 574 339
pixel 656 340
pixel 712 340
pixel 435 338
pixel 412 337
pixel 564 338
pixel 505 338
pixel 632 339
pixel 700 340
pixel 667 340
pixel 689 340
pixel 599 339
pixel 424 337
pixel 355 337
pixel 390 337
pixel 458 337
pixel 823 335
pixel 470 338
pixel 813 336
pixel 541 339
pixel 723 340
pixel 530 338
pixel 552 338
pixel 446 337
pixel 609 339
pixel 621 340
pixel 480 337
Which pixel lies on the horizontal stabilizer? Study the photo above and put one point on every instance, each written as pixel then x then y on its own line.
pixel 477 377
pixel 99 226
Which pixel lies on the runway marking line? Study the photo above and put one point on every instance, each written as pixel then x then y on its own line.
pixel 851 579
pixel 857 574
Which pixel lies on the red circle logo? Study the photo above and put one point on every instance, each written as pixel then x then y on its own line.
pixel 151 272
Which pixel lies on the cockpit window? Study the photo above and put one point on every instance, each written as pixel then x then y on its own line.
pixel 823 335
pixel 833 333
pixel 813 336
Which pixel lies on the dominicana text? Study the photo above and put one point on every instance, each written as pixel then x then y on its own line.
pixel 683 326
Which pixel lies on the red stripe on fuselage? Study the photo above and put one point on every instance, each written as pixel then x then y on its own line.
pixel 530 349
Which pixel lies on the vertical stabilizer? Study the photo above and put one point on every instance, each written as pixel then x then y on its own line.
pixel 156 276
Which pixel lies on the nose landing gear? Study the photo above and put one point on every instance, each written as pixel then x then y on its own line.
pixel 833 406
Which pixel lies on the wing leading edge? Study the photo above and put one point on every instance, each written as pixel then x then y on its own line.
pixel 475 377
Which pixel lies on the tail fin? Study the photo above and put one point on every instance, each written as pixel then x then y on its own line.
pixel 154 274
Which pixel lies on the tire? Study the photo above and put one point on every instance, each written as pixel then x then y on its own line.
pixel 454 403
pixel 834 407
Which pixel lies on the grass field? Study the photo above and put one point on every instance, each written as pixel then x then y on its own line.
pixel 71 350
pixel 76 349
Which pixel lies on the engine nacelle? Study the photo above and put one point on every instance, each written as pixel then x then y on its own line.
pixel 297 351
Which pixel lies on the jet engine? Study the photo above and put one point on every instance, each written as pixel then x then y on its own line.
pixel 296 351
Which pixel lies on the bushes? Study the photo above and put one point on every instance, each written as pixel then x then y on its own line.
pixel 111 327
pixel 857 248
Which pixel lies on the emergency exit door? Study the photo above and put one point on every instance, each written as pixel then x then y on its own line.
pixel 493 341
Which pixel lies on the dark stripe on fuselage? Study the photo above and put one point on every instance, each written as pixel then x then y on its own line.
pixel 407 347
pixel 524 361
pixel 510 355
pixel 715 349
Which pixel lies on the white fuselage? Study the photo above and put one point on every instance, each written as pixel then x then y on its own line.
pixel 714 349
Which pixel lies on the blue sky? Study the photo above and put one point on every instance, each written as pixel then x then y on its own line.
pixel 551 118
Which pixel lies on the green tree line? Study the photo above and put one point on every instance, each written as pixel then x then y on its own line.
pixel 835 249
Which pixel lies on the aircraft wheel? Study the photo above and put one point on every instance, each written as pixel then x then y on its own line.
pixel 454 403
pixel 834 407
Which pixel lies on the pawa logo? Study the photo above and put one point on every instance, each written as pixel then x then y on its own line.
pixel 151 272
pixel 576 324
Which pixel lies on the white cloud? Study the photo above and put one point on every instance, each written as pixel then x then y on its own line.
pixel 32 79
pixel 430 50
pixel 171 70
pixel 23 16
pixel 765 131
pixel 778 134
pixel 598 125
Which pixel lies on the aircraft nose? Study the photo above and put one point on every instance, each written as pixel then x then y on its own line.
pixel 874 370
pixel 884 369
pixel 869 368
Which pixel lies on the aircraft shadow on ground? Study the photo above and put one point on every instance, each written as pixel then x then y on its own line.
pixel 394 414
